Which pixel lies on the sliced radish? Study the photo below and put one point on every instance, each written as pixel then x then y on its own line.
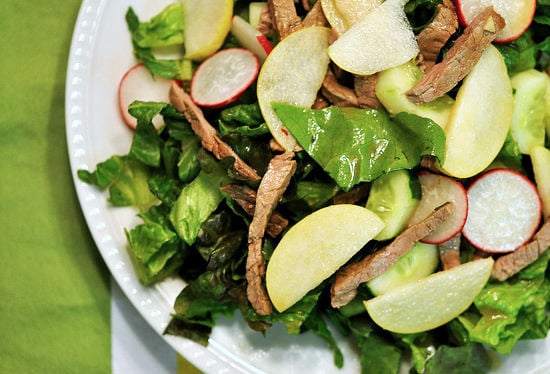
pixel 518 15
pixel 138 84
pixel 223 77
pixel 436 190
pixel 504 211
pixel 250 38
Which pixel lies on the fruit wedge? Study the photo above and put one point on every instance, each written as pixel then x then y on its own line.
pixel 314 248
pixel 342 14
pixel 206 24
pixel 432 301
pixel 380 40
pixel 292 73
pixel 480 118
pixel 518 15
pixel 250 38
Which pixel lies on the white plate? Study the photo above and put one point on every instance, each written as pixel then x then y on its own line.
pixel 100 53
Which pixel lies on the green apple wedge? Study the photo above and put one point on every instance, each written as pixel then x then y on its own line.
pixel 480 118
pixel 314 248
pixel 206 24
pixel 292 74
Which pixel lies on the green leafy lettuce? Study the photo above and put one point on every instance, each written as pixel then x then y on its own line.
pixel 358 145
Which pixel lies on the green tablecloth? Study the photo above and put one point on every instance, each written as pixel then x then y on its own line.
pixel 54 287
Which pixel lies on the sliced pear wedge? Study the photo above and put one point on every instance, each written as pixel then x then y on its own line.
pixel 292 73
pixel 314 248
pixel 206 24
pixel 380 40
pixel 432 301
pixel 342 14
pixel 480 118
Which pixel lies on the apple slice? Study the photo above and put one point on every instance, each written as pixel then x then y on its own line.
pixel 314 248
pixel 206 24
pixel 223 77
pixel 432 301
pixel 540 159
pixel 480 118
pixel 518 15
pixel 292 73
pixel 139 84
pixel 384 29
pixel 342 14
pixel 250 38
pixel 504 211
pixel 436 190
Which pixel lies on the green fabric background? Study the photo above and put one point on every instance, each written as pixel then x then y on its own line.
pixel 54 287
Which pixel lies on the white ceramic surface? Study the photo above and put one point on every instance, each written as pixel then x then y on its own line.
pixel 100 53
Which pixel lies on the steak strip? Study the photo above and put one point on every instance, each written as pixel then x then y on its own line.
pixel 434 36
pixel 246 198
pixel 449 252
pixel 365 89
pixel 272 187
pixel 512 263
pixel 284 17
pixel 348 278
pixel 315 16
pixel 207 133
pixel 460 59
pixel 336 93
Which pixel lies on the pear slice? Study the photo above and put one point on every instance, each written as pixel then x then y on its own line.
pixel 206 24
pixel 432 301
pixel 292 73
pixel 480 118
pixel 314 248
pixel 342 14
pixel 380 40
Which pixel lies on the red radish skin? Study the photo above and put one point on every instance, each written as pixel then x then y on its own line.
pixel 518 15
pixel 138 84
pixel 223 77
pixel 438 189
pixel 504 211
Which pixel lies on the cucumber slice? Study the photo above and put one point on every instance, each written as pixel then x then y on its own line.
pixel 528 128
pixel 419 262
pixel 391 85
pixel 393 197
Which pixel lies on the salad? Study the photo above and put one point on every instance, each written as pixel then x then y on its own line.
pixel 300 181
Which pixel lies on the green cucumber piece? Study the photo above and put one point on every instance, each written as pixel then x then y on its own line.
pixel 393 197
pixel 419 262
pixel 391 85
pixel 528 119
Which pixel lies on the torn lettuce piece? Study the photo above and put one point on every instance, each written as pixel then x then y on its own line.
pixel 358 145
pixel 125 178
pixel 156 252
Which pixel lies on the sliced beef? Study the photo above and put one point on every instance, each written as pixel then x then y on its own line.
pixel 272 187
pixel 365 89
pixel 336 93
pixel 434 36
pixel 265 23
pixel 460 59
pixel 284 17
pixel 348 278
pixel 315 16
pixel 246 198
pixel 352 196
pixel 513 262
pixel 449 252
pixel 207 133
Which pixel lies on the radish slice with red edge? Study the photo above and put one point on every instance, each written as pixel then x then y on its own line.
pixel 250 38
pixel 438 189
pixel 518 15
pixel 139 84
pixel 504 211
pixel 223 77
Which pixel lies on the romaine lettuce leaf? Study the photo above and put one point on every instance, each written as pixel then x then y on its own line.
pixel 358 145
